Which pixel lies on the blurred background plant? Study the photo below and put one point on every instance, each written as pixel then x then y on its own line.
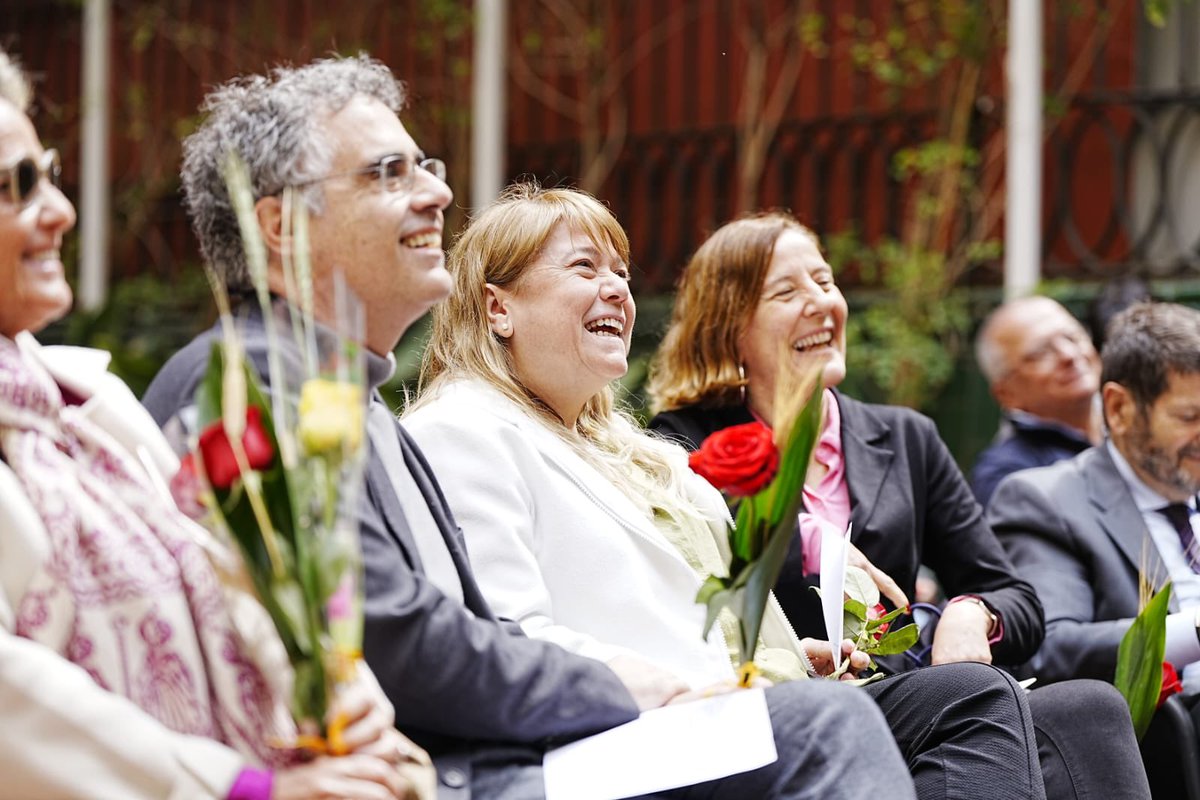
pixel 881 125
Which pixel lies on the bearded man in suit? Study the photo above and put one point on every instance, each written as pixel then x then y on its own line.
pixel 1082 531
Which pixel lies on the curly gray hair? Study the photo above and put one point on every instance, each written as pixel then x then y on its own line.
pixel 272 122
pixel 14 86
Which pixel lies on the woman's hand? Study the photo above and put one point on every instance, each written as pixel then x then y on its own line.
pixel 355 777
pixel 366 725
pixel 820 653
pixel 887 587
pixel 962 635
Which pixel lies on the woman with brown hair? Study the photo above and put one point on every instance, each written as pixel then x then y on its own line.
pixel 759 291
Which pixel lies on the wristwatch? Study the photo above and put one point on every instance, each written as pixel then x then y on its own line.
pixel 993 620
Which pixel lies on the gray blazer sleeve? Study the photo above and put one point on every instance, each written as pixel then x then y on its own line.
pixel 1048 552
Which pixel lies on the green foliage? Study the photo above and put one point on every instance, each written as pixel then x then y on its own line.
pixel 1156 12
pixel 1140 660
pixel 144 322
pixel 903 339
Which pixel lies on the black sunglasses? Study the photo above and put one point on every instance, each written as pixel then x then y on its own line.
pixel 21 180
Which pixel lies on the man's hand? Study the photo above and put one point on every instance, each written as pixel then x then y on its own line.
pixel 651 686
pixel 962 635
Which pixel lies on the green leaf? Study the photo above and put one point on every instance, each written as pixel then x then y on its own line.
pixel 208 393
pixel 872 624
pixel 852 626
pixel 715 594
pixel 896 641
pixel 856 608
pixel 860 587
pixel 787 499
pixel 1139 660
pixel 793 462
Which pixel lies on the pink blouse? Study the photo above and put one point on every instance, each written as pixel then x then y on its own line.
pixel 828 503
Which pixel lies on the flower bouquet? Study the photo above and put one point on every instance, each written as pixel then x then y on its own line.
pixel 279 474
pixel 763 471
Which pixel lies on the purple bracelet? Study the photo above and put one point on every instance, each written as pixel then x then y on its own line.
pixel 252 784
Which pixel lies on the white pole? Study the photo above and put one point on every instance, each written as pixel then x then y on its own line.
pixel 1023 202
pixel 1023 167
pixel 489 77
pixel 93 162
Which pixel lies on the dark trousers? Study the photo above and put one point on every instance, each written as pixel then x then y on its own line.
pixel 1086 743
pixel 964 730
pixel 832 740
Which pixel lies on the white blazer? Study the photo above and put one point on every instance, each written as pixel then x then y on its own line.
pixel 558 548
pixel 62 735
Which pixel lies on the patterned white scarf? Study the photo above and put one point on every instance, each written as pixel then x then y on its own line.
pixel 126 592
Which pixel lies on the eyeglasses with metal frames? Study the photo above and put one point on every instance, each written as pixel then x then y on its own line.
pixel 20 181
pixel 394 173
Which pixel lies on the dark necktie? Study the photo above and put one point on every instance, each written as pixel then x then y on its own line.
pixel 1179 515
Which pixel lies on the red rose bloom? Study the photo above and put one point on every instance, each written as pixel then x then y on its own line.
pixel 1170 683
pixel 875 612
pixel 739 460
pixel 217 453
pixel 185 488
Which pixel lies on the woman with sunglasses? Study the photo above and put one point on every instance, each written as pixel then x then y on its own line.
pixel 759 290
pixel 128 667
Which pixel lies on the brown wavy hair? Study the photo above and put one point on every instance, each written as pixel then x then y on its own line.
pixel 698 361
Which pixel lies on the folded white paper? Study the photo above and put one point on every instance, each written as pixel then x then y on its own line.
pixel 834 553
pixel 665 748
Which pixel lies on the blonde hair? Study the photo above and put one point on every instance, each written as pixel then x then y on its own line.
pixel 500 243
pixel 14 86
pixel 698 360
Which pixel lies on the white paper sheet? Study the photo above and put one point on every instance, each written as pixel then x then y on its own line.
pixel 833 584
pixel 664 749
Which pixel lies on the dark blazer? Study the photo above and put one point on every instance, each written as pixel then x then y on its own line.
pixel 459 678
pixel 909 505
pixel 1033 443
pixel 1074 532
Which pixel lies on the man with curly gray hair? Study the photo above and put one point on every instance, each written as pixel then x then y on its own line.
pixel 480 696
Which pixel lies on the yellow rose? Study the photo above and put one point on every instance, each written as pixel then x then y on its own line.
pixel 331 416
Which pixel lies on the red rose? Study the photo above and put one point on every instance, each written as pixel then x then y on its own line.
pixel 739 460
pixel 1170 683
pixel 185 488
pixel 875 612
pixel 217 453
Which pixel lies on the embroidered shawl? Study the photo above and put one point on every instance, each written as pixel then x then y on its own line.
pixel 126 591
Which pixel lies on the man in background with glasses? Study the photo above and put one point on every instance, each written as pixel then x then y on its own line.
pixel 484 699
pixel 1044 372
